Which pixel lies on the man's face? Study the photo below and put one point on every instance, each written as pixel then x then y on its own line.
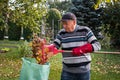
pixel 69 25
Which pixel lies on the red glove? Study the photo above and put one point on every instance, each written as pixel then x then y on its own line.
pixel 53 49
pixel 82 49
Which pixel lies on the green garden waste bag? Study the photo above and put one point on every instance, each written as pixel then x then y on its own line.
pixel 32 71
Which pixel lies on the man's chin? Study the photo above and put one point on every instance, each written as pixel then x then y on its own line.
pixel 69 31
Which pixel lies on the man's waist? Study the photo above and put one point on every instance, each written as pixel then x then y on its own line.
pixel 77 59
pixel 76 64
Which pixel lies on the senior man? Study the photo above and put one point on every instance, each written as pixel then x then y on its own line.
pixel 81 41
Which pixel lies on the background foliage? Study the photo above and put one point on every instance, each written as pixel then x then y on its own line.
pixel 3 15
pixel 87 15
pixel 14 31
pixel 53 17
pixel 2 32
pixel 112 23
pixel 27 13
pixel 59 5
pixel 27 34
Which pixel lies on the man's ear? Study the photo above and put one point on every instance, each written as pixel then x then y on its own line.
pixel 74 21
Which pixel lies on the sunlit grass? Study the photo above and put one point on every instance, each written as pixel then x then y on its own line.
pixel 105 67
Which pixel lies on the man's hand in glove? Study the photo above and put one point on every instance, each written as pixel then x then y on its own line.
pixel 82 49
pixel 52 48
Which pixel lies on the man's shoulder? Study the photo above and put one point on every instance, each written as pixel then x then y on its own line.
pixel 83 28
pixel 62 31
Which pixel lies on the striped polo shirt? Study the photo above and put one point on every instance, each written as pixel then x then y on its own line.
pixel 69 40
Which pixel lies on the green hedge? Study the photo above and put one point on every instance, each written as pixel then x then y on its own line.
pixel 2 33
pixel 14 32
pixel 27 34
pixel 111 20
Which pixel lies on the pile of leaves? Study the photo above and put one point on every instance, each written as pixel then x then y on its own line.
pixel 39 49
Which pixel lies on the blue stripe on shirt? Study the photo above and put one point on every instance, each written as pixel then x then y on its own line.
pixel 74 39
pixel 58 37
pixel 89 35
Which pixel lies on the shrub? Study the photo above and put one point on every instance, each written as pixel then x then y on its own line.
pixel 105 42
pixel 24 49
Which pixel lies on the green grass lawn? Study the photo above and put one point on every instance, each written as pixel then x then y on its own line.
pixel 104 66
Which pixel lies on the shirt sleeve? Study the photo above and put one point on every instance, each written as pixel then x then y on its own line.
pixel 57 41
pixel 93 40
